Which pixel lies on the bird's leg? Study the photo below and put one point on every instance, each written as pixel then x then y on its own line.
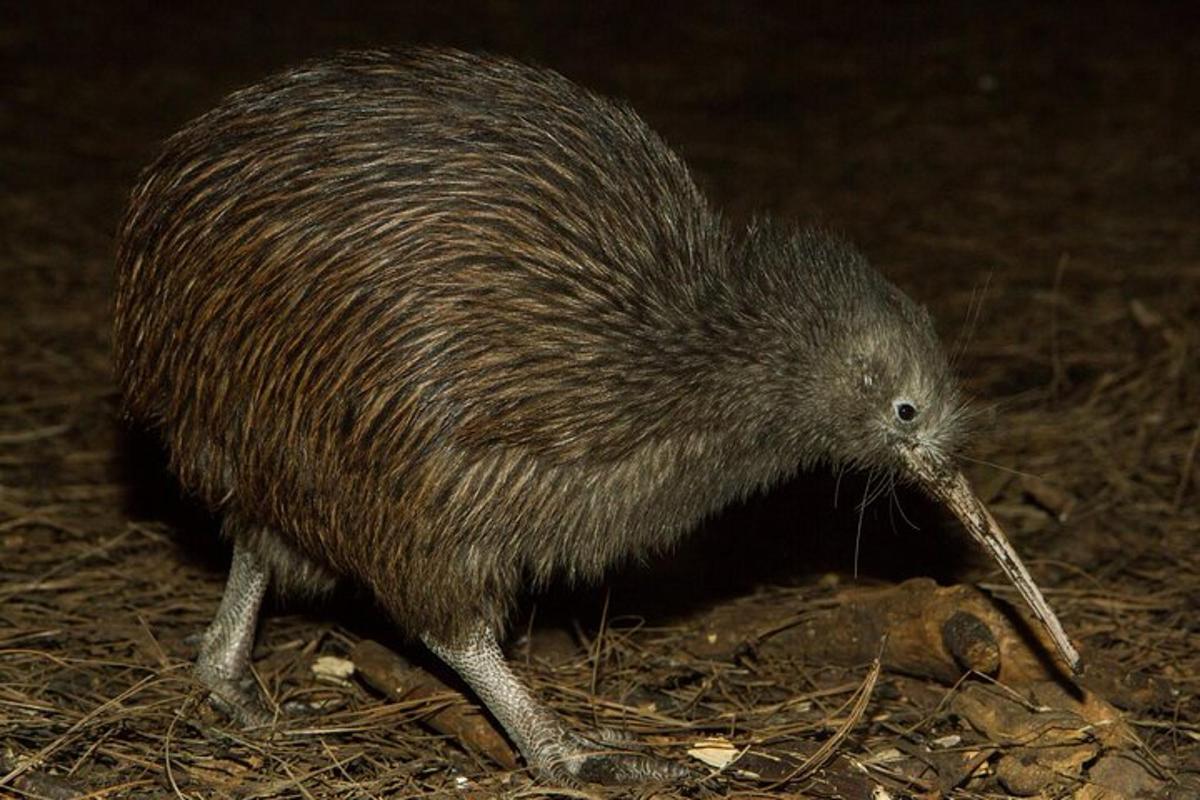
pixel 223 665
pixel 550 748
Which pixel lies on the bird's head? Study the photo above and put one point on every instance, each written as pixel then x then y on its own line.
pixel 887 392
pixel 881 397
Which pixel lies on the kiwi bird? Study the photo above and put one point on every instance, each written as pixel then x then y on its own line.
pixel 450 326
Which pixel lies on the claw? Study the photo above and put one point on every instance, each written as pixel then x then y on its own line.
pixel 611 759
pixel 240 700
pixel 620 769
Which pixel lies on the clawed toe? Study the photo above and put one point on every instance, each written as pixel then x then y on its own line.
pixel 615 738
pixel 615 769
pixel 241 701
pixel 611 758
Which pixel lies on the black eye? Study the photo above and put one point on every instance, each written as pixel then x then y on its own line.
pixel 906 411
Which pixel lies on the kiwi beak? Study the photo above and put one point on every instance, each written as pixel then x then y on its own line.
pixel 946 483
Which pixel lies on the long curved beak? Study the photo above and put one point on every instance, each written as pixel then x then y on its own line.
pixel 950 486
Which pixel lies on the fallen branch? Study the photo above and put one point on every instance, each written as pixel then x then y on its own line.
pixel 451 713
pixel 932 631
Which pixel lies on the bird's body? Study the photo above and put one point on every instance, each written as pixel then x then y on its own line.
pixel 447 340
pixel 448 325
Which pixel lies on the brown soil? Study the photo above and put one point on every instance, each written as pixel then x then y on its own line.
pixel 1031 173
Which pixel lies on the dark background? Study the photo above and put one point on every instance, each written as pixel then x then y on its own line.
pixel 1029 171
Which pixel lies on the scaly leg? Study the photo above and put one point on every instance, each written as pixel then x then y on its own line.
pixel 224 661
pixel 551 749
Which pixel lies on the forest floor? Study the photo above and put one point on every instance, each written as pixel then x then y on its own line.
pixel 1031 173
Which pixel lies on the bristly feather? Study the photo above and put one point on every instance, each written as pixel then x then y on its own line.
pixel 449 325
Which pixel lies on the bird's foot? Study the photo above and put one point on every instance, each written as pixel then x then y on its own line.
pixel 237 698
pixel 608 757
pixel 551 750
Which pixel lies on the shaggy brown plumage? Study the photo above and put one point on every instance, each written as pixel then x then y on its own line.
pixel 449 325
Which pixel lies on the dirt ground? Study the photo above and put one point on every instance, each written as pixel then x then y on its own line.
pixel 1031 173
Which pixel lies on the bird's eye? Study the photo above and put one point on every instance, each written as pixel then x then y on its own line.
pixel 905 411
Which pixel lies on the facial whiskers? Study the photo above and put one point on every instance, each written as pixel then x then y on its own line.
pixel 869 496
pixel 1000 467
pixel 862 510
pixel 895 503
pixel 974 312
pixel 837 484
